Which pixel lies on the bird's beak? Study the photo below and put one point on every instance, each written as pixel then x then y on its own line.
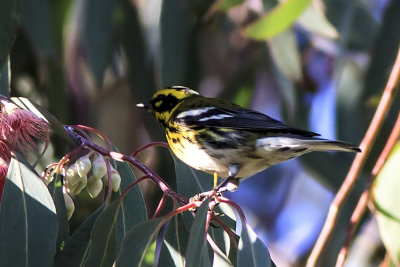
pixel 141 105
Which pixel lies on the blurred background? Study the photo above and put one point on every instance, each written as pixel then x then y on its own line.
pixel 321 66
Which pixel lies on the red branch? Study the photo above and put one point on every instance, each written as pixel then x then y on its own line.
pixel 358 162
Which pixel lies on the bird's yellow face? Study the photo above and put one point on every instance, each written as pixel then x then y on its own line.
pixel 165 101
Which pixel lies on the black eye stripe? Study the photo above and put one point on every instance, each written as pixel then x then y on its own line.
pixel 167 102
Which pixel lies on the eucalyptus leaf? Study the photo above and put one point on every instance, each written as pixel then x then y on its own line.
pixel 137 243
pixel 102 249
pixel 386 193
pixel 10 17
pixel 252 251
pixel 73 251
pixel 28 219
pixel 197 250
pixel 277 20
pixel 97 35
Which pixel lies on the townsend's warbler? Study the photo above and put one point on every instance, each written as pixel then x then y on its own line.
pixel 219 137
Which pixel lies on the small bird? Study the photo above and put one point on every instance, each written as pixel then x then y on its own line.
pixel 222 138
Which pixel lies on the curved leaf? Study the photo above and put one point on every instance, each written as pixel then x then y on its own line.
pixel 386 192
pixel 133 208
pixel 252 251
pixel 74 249
pixel 37 22
pixel 55 188
pixel 97 35
pixel 28 220
pixel 176 24
pixel 102 248
pixel 137 243
pixel 10 17
pixel 315 21
pixel 39 111
pixel 285 53
pixel 175 242
pixel 197 250
pixel 277 20
pixel 190 181
pixel 5 80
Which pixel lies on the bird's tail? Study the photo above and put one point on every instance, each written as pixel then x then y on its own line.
pixel 331 145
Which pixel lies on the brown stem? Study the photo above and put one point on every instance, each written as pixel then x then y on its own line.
pixel 364 199
pixel 358 162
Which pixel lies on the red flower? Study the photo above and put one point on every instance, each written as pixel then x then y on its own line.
pixel 22 129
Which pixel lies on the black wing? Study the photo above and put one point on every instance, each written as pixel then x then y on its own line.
pixel 237 118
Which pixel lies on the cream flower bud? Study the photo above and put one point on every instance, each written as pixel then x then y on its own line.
pixel 115 180
pixel 80 186
pixel 69 204
pixel 83 165
pixel 99 168
pixel 71 176
pixel 94 187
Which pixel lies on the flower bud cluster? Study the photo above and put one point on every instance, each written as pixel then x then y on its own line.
pixel 88 172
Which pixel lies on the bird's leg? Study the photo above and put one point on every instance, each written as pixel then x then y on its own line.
pixel 229 183
pixel 215 179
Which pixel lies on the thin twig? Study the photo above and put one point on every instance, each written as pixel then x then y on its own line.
pixel 365 197
pixel 358 162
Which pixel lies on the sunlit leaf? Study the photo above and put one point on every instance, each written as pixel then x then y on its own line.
pixel 225 5
pixel 39 111
pixel 285 53
pixel 175 242
pixel 315 21
pixel 277 20
pixel 252 251
pixel 197 250
pixel 28 220
pixel 137 242
pixel 386 193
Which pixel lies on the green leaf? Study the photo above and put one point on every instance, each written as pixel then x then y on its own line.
pixel 176 26
pixel 197 250
pixel 252 251
pixel 10 17
pixel 190 181
pixel 386 193
pixel 285 53
pixel 225 5
pixel 5 80
pixel 28 220
pixel 175 242
pixel 74 249
pixel 36 21
pixel 97 35
pixel 55 188
pixel 315 21
pixel 133 208
pixel 277 20
pixel 137 243
pixel 102 248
